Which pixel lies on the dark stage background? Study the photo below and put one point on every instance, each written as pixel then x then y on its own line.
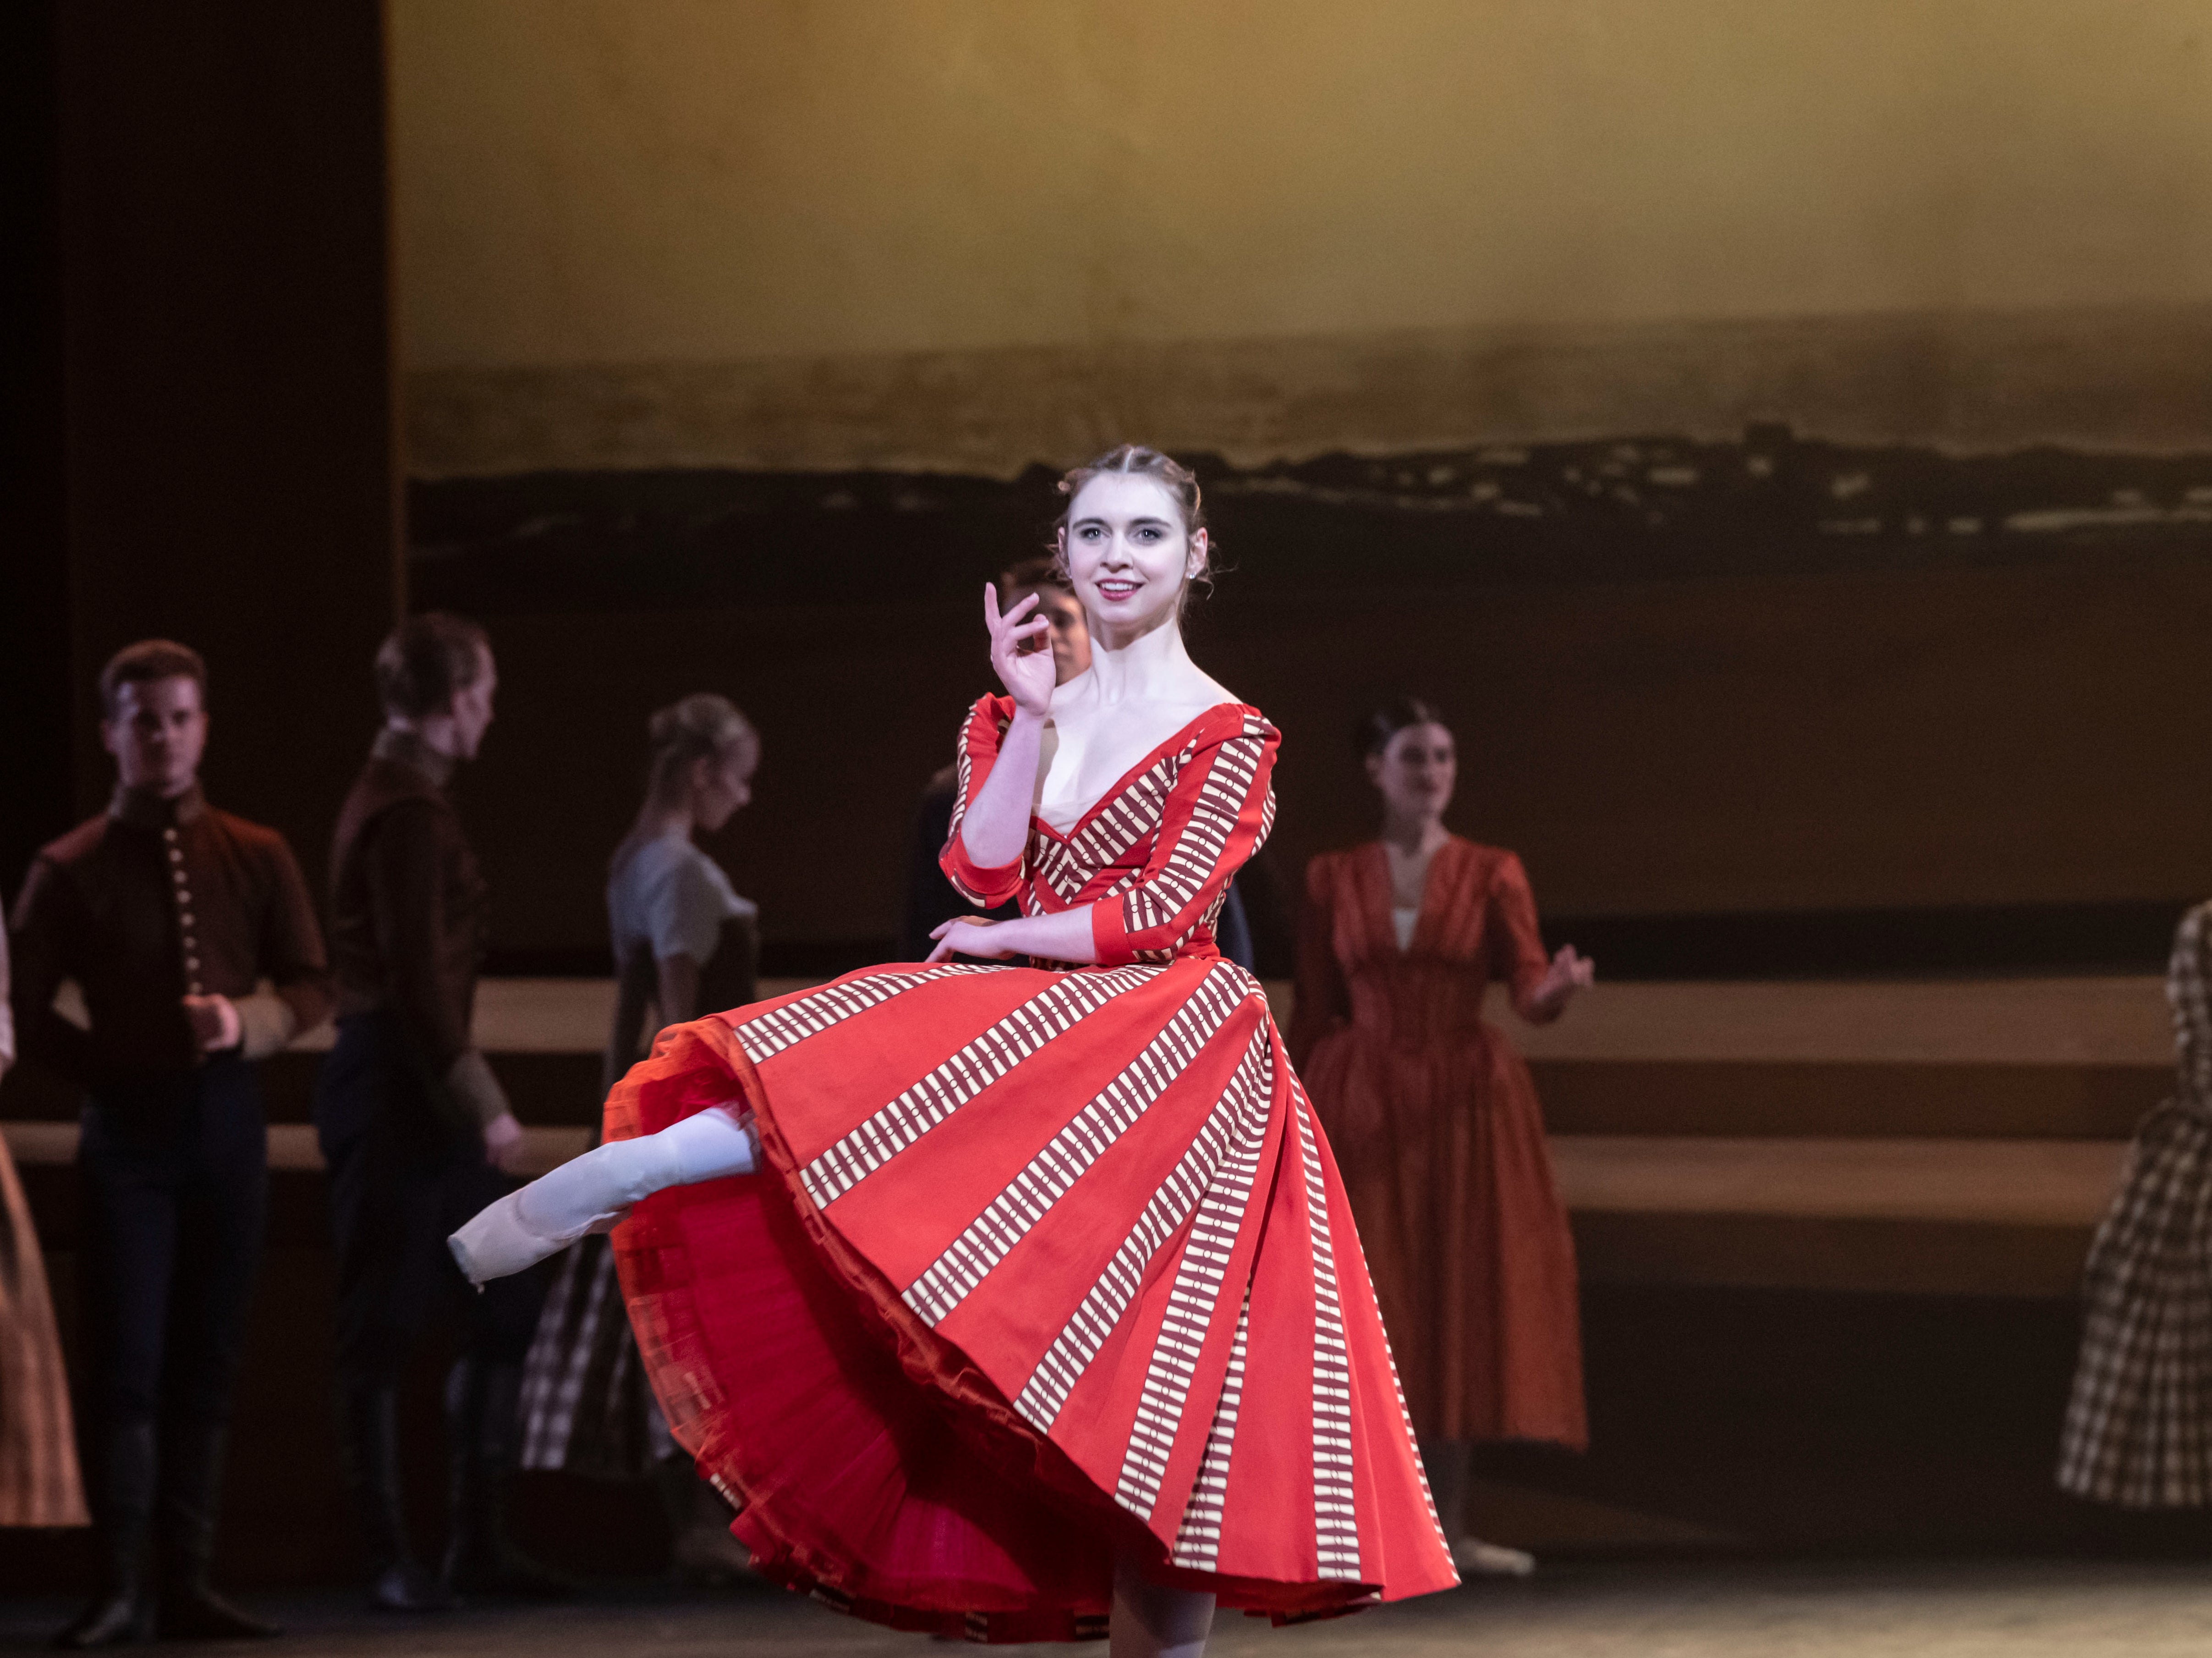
pixel 1736 738
pixel 201 434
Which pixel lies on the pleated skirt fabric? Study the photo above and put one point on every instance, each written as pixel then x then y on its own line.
pixel 1044 1267
pixel 587 1407
pixel 2138 1430
pixel 38 1480
pixel 1468 1239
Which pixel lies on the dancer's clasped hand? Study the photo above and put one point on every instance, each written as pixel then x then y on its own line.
pixel 215 1023
pixel 506 1147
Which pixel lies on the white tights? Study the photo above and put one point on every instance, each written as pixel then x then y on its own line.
pixel 604 1182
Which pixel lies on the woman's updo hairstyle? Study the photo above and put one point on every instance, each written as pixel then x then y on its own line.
pixel 1379 724
pixel 1134 460
pixel 701 726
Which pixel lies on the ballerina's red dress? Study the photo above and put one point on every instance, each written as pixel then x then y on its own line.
pixel 1043 1263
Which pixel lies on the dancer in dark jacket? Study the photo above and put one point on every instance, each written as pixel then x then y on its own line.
pixel 414 1125
pixel 169 915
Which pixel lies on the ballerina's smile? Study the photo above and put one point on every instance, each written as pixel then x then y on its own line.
pixel 1129 555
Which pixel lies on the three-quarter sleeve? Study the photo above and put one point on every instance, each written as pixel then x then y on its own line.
pixel 1516 946
pixel 287 953
pixel 986 727
pixel 1218 812
pixel 1324 1001
pixel 291 952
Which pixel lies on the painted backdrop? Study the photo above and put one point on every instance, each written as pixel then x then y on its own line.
pixel 1782 435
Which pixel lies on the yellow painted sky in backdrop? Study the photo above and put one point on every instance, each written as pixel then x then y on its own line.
pixel 621 181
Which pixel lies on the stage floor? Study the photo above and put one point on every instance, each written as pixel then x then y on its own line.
pixel 2021 1609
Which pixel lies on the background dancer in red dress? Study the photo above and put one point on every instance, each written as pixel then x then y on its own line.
pixel 1435 1117
pixel 38 1479
pixel 1045 1306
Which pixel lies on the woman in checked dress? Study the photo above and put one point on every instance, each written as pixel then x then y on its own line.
pixel 2139 1426
pixel 1024 1301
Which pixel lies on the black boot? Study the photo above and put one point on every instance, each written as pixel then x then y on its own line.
pixel 699 1547
pixel 117 1611
pixel 482 1436
pixel 398 1582
pixel 191 1491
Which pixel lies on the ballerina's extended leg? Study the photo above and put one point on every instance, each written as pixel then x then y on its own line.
pixel 597 1189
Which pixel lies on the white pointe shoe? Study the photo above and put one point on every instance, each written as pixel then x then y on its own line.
pixel 1476 1558
pixel 499 1242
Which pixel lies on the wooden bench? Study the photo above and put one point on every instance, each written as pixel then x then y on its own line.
pixel 1955 1137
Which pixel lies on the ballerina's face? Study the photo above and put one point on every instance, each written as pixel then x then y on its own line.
pixel 1128 553
pixel 1416 771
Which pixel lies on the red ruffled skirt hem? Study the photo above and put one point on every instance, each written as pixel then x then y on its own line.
pixel 874 1466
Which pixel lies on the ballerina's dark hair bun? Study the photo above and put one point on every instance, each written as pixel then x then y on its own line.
pixel 1379 724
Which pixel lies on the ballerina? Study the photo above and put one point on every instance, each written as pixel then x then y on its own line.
pixel 1024 1302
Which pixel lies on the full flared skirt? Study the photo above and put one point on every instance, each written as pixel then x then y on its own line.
pixel 1442 1153
pixel 1043 1267
pixel 2138 1428
pixel 38 1480
pixel 585 1404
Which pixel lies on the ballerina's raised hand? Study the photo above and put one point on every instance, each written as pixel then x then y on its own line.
pixel 1021 652
pixel 996 827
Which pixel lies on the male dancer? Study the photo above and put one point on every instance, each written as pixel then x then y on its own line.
pixel 415 1125
pixel 168 915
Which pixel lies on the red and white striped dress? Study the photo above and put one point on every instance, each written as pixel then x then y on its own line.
pixel 1045 1262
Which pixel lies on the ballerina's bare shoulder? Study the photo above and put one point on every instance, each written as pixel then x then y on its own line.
pixel 1092 744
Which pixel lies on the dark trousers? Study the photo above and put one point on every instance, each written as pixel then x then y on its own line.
pixel 402 1180
pixel 175 1176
